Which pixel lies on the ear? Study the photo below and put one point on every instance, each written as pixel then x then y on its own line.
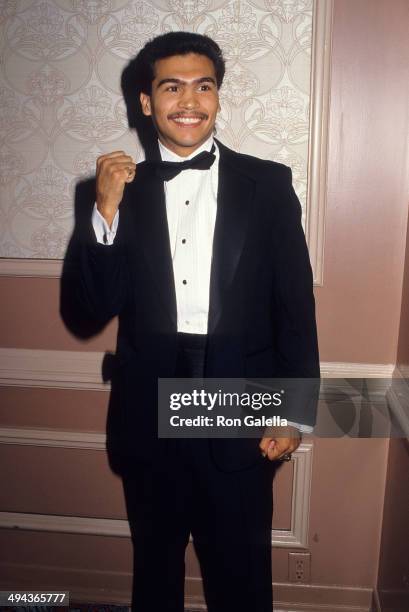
pixel 145 103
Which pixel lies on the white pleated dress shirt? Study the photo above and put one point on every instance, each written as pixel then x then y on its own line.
pixel 191 206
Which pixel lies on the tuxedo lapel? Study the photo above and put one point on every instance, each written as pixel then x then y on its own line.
pixel 234 195
pixel 149 208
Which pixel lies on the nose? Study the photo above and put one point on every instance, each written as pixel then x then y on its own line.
pixel 188 99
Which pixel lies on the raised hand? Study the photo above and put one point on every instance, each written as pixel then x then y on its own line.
pixel 114 170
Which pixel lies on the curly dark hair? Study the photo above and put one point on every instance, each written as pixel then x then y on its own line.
pixel 173 43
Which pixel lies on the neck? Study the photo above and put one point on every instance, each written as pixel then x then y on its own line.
pixel 179 150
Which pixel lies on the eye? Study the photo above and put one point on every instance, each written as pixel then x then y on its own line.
pixel 204 87
pixel 172 88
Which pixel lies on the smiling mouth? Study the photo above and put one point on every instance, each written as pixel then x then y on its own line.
pixel 187 121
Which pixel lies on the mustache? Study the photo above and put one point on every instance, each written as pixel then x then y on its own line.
pixel 190 115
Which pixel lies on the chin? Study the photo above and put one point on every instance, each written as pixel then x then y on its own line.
pixel 191 141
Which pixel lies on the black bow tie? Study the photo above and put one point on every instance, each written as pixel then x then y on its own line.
pixel 167 170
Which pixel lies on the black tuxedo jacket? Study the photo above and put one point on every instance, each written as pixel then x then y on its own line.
pixel 261 316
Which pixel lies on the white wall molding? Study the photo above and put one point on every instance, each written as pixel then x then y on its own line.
pixel 44 268
pixel 296 536
pixel 335 369
pixel 51 369
pixel 65 524
pixel 82 369
pixel 318 134
pixel 55 438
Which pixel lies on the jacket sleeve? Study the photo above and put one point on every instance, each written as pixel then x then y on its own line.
pixel 296 344
pixel 95 278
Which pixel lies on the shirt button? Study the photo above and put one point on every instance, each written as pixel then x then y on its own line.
pixel 183 240
pixel 185 282
pixel 187 202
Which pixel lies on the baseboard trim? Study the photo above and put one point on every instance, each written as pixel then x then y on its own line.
pixel 299 598
pixel 84 586
pixel 331 598
pixel 376 604
pixel 391 600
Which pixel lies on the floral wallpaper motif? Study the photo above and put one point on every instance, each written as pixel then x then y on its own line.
pixel 61 103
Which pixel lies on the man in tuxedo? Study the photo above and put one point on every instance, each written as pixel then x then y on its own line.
pixel 202 256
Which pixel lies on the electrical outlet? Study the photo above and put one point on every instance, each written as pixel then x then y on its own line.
pixel 299 565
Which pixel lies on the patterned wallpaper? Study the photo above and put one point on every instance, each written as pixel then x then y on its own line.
pixel 61 104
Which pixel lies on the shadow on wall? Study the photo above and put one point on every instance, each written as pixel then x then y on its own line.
pixel 72 311
pixel 85 196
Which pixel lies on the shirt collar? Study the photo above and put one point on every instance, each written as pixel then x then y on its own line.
pixel 168 155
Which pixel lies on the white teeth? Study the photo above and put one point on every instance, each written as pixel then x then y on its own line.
pixel 187 120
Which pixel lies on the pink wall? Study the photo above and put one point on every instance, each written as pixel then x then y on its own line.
pixel 358 310
pixel 359 305
pixel 36 323
pixel 393 579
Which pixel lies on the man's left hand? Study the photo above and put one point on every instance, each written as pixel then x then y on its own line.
pixel 279 441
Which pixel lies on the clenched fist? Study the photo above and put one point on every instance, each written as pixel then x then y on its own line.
pixel 113 171
pixel 279 441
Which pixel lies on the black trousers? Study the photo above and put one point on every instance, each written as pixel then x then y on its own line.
pixel 228 514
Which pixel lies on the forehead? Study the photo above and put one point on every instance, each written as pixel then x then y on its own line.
pixel 186 67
